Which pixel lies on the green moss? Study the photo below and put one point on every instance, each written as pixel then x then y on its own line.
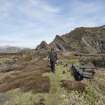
pixel 72 61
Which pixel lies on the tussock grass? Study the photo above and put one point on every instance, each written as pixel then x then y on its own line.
pixel 17 97
pixel 58 95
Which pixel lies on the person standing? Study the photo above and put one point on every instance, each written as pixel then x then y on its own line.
pixel 52 59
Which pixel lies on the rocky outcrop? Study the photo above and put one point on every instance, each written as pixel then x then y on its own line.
pixel 83 39
pixel 80 40
pixel 42 45
pixel 42 49
pixel 60 44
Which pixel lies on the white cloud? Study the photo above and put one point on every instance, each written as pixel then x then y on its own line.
pixel 38 10
pixel 43 5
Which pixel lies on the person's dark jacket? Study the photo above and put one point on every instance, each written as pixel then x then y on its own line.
pixel 53 56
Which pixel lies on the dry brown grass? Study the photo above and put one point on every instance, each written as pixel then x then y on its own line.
pixel 73 85
pixel 27 77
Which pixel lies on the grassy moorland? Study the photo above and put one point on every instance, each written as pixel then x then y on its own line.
pixel 26 85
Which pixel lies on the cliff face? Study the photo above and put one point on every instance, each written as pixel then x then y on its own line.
pixel 83 39
pixel 60 43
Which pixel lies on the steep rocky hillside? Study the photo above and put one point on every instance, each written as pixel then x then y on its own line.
pixel 83 39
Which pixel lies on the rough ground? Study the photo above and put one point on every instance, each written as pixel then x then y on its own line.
pixel 22 87
pixel 26 77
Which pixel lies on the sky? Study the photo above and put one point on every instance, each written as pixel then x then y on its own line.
pixel 25 23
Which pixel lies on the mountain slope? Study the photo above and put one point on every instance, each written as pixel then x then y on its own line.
pixel 83 39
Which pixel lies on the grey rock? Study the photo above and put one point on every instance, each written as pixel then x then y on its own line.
pixel 3 98
pixel 7 67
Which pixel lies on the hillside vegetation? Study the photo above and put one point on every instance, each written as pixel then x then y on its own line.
pixel 28 87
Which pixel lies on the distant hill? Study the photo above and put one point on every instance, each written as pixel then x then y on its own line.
pixel 83 39
pixel 9 49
